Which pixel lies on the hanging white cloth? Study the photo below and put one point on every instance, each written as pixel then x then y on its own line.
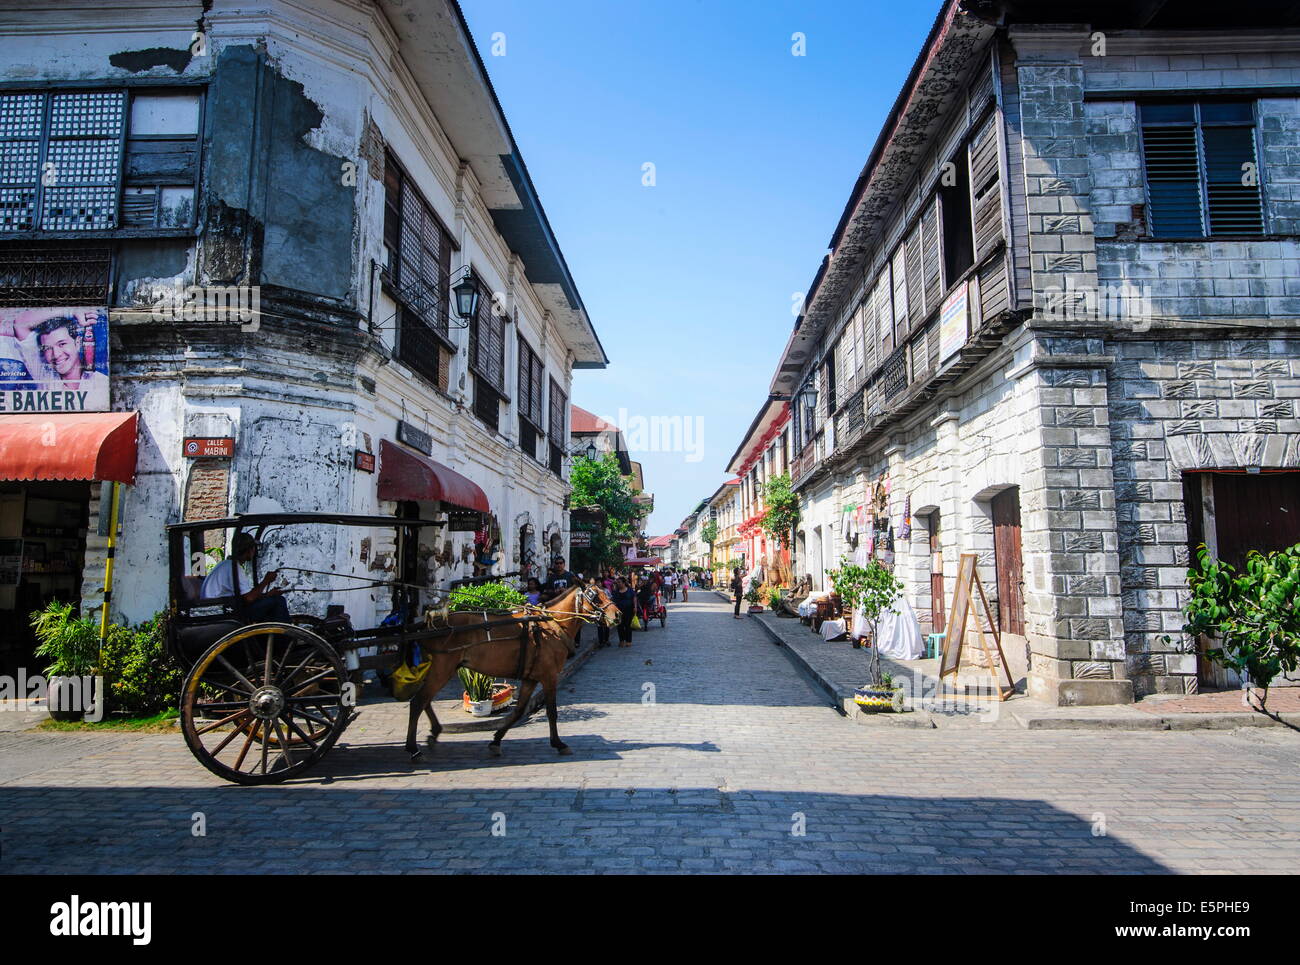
pixel 900 631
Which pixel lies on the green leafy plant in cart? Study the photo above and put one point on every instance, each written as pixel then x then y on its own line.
pixel 486 596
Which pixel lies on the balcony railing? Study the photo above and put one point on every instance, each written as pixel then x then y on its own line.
pixel 893 375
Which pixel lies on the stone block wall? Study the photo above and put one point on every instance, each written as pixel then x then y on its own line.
pixel 1181 406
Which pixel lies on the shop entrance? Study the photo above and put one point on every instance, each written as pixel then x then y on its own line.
pixel 42 554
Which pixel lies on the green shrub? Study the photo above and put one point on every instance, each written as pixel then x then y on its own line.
pixel 70 643
pixel 141 678
pixel 486 596
pixel 1253 615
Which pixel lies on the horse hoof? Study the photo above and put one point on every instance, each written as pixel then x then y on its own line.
pixel 494 750
pixel 564 749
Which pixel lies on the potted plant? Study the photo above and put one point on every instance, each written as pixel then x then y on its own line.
pixel 71 644
pixel 774 600
pixel 479 688
pixel 871 589
pixel 885 697
pixel 753 595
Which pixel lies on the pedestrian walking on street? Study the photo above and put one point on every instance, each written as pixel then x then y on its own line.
pixel 625 600
pixel 737 587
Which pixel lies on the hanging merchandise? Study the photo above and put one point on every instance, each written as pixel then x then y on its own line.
pixel 905 531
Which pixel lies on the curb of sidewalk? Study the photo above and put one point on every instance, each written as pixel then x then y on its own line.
pixel 841 698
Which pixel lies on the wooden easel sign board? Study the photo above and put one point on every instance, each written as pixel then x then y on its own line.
pixel 963 603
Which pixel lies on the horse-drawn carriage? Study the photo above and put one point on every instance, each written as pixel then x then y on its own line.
pixel 264 701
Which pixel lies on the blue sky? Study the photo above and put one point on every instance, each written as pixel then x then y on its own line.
pixel 690 282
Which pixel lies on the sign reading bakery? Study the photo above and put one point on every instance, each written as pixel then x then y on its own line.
pixel 53 359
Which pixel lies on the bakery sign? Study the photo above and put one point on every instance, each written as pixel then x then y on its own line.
pixel 54 359
pixel 196 447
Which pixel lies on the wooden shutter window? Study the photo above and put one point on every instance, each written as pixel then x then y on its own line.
pixel 915 284
pixel 487 344
pixel 900 306
pixel 932 262
pixel 986 189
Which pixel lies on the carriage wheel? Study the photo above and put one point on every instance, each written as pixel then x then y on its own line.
pixel 264 703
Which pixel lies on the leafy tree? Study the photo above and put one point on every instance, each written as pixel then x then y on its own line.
pixel 1255 614
pixel 872 588
pixel 709 533
pixel 599 482
pixel 782 512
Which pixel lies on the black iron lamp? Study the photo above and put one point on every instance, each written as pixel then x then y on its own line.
pixel 809 396
pixel 467 295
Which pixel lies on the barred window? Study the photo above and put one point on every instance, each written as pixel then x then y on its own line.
pixel 98 160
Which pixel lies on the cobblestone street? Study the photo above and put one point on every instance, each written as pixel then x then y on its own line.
pixel 701 748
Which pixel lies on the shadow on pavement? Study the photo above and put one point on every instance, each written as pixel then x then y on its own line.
pixel 353 829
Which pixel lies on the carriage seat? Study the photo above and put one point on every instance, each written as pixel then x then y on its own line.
pixel 195 634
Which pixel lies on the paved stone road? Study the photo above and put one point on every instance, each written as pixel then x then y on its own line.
pixel 733 762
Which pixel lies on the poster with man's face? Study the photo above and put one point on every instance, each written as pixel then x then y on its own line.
pixel 53 360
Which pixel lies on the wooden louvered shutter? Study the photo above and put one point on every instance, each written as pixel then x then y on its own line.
pixel 1173 181
pixel 900 307
pixel 1234 205
pixel 986 189
pixel 931 260
pixel 915 284
pixel 559 403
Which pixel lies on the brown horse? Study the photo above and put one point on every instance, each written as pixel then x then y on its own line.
pixel 548 644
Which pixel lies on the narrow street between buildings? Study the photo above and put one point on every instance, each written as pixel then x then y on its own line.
pixel 701 748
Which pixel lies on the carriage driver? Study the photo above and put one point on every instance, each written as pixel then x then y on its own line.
pixel 257 605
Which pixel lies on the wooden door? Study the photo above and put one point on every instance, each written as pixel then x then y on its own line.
pixel 1008 560
pixel 1255 512
pixel 936 574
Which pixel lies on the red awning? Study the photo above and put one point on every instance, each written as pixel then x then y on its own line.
pixel 87 446
pixel 406 475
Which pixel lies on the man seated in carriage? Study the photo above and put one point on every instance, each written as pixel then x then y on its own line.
pixel 257 605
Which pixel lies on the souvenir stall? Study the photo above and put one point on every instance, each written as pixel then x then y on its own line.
pixel 869 529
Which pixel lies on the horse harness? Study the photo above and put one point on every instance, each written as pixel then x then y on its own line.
pixel 531 621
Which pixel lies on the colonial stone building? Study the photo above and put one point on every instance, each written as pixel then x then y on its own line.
pixel 1059 327
pixel 336 167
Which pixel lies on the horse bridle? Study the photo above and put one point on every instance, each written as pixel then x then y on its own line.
pixel 591 595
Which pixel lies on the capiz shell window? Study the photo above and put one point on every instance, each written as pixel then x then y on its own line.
pixel 98 160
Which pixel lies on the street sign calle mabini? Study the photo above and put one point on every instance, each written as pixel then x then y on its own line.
pixel 206 448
